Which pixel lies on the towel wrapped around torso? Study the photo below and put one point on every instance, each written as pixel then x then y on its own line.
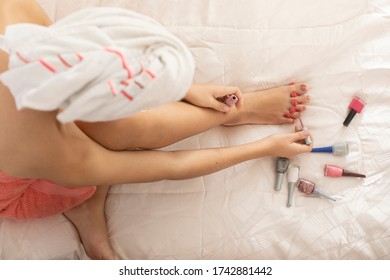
pixel 98 64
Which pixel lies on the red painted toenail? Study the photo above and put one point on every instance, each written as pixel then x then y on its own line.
pixel 292 83
pixel 293 94
pixel 294 102
pixel 287 115
pixel 292 110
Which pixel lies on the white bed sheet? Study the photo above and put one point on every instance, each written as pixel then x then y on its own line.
pixel 342 49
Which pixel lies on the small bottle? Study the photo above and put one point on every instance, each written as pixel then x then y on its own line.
pixel 338 149
pixel 292 178
pixel 281 168
pixel 336 171
pixel 229 99
pixel 308 188
pixel 356 106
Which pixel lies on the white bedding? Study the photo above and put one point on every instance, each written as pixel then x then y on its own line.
pixel 342 49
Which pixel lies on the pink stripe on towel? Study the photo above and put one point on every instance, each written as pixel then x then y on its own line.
pixel 37 198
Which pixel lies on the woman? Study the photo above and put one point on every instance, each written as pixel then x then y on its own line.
pixel 34 144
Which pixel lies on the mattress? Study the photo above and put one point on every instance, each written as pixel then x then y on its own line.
pixel 341 49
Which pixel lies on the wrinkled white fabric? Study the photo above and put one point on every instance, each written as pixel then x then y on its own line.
pixel 2 44
pixel 341 49
pixel 97 64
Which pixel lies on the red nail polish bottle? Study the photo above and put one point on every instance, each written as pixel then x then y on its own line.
pixel 356 106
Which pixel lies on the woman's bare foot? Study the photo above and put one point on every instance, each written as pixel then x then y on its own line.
pixel 90 222
pixel 274 106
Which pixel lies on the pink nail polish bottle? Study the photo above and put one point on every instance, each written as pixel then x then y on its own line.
pixel 229 99
pixel 336 171
pixel 356 106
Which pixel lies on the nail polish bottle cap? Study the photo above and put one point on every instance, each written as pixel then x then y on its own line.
pixel 291 187
pixel 278 181
pixel 340 149
pixel 319 193
pixel 292 178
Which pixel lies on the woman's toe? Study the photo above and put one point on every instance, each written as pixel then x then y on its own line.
pixel 300 88
pixel 300 108
pixel 295 115
pixel 299 100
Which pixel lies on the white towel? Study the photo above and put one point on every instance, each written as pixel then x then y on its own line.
pixel 97 64
pixel 2 44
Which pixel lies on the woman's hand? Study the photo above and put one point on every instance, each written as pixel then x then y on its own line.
pixel 288 145
pixel 205 95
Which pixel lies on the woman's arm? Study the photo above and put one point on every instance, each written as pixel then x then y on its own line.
pixel 108 167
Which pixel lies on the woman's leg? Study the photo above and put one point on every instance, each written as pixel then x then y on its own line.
pixel 159 127
pixel 90 222
pixel 173 122
pixel 89 217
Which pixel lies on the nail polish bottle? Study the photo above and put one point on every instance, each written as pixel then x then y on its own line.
pixel 308 188
pixel 281 168
pixel 356 106
pixel 338 149
pixel 229 99
pixel 336 171
pixel 292 178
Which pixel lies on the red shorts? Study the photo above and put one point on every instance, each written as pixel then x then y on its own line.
pixel 37 198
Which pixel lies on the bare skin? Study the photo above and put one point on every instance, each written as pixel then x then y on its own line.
pixel 262 107
pixel 90 221
pixel 97 153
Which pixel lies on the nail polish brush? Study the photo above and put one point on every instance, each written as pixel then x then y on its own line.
pixel 356 106
pixel 292 178
pixel 338 149
pixel 308 188
pixel 281 168
pixel 336 171
pixel 304 128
